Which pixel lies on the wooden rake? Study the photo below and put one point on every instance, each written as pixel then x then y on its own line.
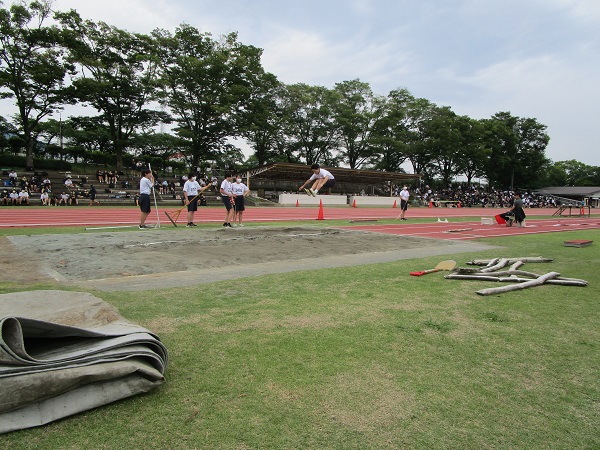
pixel 444 265
pixel 173 216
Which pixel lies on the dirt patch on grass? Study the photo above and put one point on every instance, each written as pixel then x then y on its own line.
pixel 141 260
pixel 18 266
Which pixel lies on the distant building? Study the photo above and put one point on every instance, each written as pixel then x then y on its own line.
pixel 589 195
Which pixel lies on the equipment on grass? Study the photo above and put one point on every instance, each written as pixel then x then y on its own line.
pixel 174 215
pixel 444 265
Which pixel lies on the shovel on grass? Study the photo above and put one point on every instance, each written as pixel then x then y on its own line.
pixel 444 265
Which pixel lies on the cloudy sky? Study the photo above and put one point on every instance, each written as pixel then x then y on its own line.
pixel 534 58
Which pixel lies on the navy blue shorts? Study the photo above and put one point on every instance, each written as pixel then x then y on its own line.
pixel 145 203
pixel 403 205
pixel 193 205
pixel 329 183
pixel 239 203
pixel 227 202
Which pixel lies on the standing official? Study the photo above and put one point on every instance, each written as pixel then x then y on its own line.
pixel 146 184
pixel 404 196
pixel 190 195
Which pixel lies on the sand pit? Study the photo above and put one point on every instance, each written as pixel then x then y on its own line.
pixel 148 259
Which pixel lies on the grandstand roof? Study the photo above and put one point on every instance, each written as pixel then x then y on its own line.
pixel 572 191
pixel 287 171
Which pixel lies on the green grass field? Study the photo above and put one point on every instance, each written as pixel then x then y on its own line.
pixel 362 358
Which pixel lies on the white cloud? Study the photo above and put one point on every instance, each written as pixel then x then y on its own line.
pixel 131 15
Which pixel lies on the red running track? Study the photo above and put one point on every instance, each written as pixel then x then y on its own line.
pixel 474 230
pixel 23 216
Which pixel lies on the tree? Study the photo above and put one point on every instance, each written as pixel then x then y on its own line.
pixel 444 142
pixel 577 173
pixel 263 126
pixel 6 129
pixel 208 86
pixel 518 150
pixel 419 112
pixel 309 125
pixel 356 113
pixel 474 154
pixel 32 67
pixel 391 131
pixel 118 77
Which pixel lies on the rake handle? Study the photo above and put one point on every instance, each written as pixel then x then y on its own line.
pixel 424 272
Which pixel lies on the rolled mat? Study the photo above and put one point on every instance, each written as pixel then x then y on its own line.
pixel 62 353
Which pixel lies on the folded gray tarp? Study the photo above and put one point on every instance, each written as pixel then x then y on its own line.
pixel 63 352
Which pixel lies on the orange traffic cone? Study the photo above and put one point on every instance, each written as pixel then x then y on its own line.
pixel 354 203
pixel 430 204
pixel 458 205
pixel 297 204
pixel 320 216
pixel 394 204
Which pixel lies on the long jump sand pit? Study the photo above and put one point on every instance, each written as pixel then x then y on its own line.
pixel 167 257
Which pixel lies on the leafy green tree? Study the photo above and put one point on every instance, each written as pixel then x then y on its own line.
pixel 263 125
pixel 117 77
pixel 418 150
pixel 577 173
pixel 518 151
pixel 208 86
pixel 89 133
pixel 6 129
pixel 391 135
pixel 444 142
pixel 309 125
pixel 165 146
pixel 556 175
pixel 32 67
pixel 474 154
pixel 356 113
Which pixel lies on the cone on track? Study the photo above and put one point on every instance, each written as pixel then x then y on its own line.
pixel 445 220
pixel 430 204
pixel 297 204
pixel 354 203
pixel 439 220
pixel 320 216
pixel 394 204
pixel 458 205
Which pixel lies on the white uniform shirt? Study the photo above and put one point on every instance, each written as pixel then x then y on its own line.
pixel 226 186
pixel 145 186
pixel 239 188
pixel 322 174
pixel 191 188
pixel 404 194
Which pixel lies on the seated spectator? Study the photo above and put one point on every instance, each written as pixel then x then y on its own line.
pixel 47 183
pixel 24 197
pixel 64 199
pixel 73 201
pixel 4 199
pixel 14 197
pixel 44 198
pixel 12 176
pixel 68 182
